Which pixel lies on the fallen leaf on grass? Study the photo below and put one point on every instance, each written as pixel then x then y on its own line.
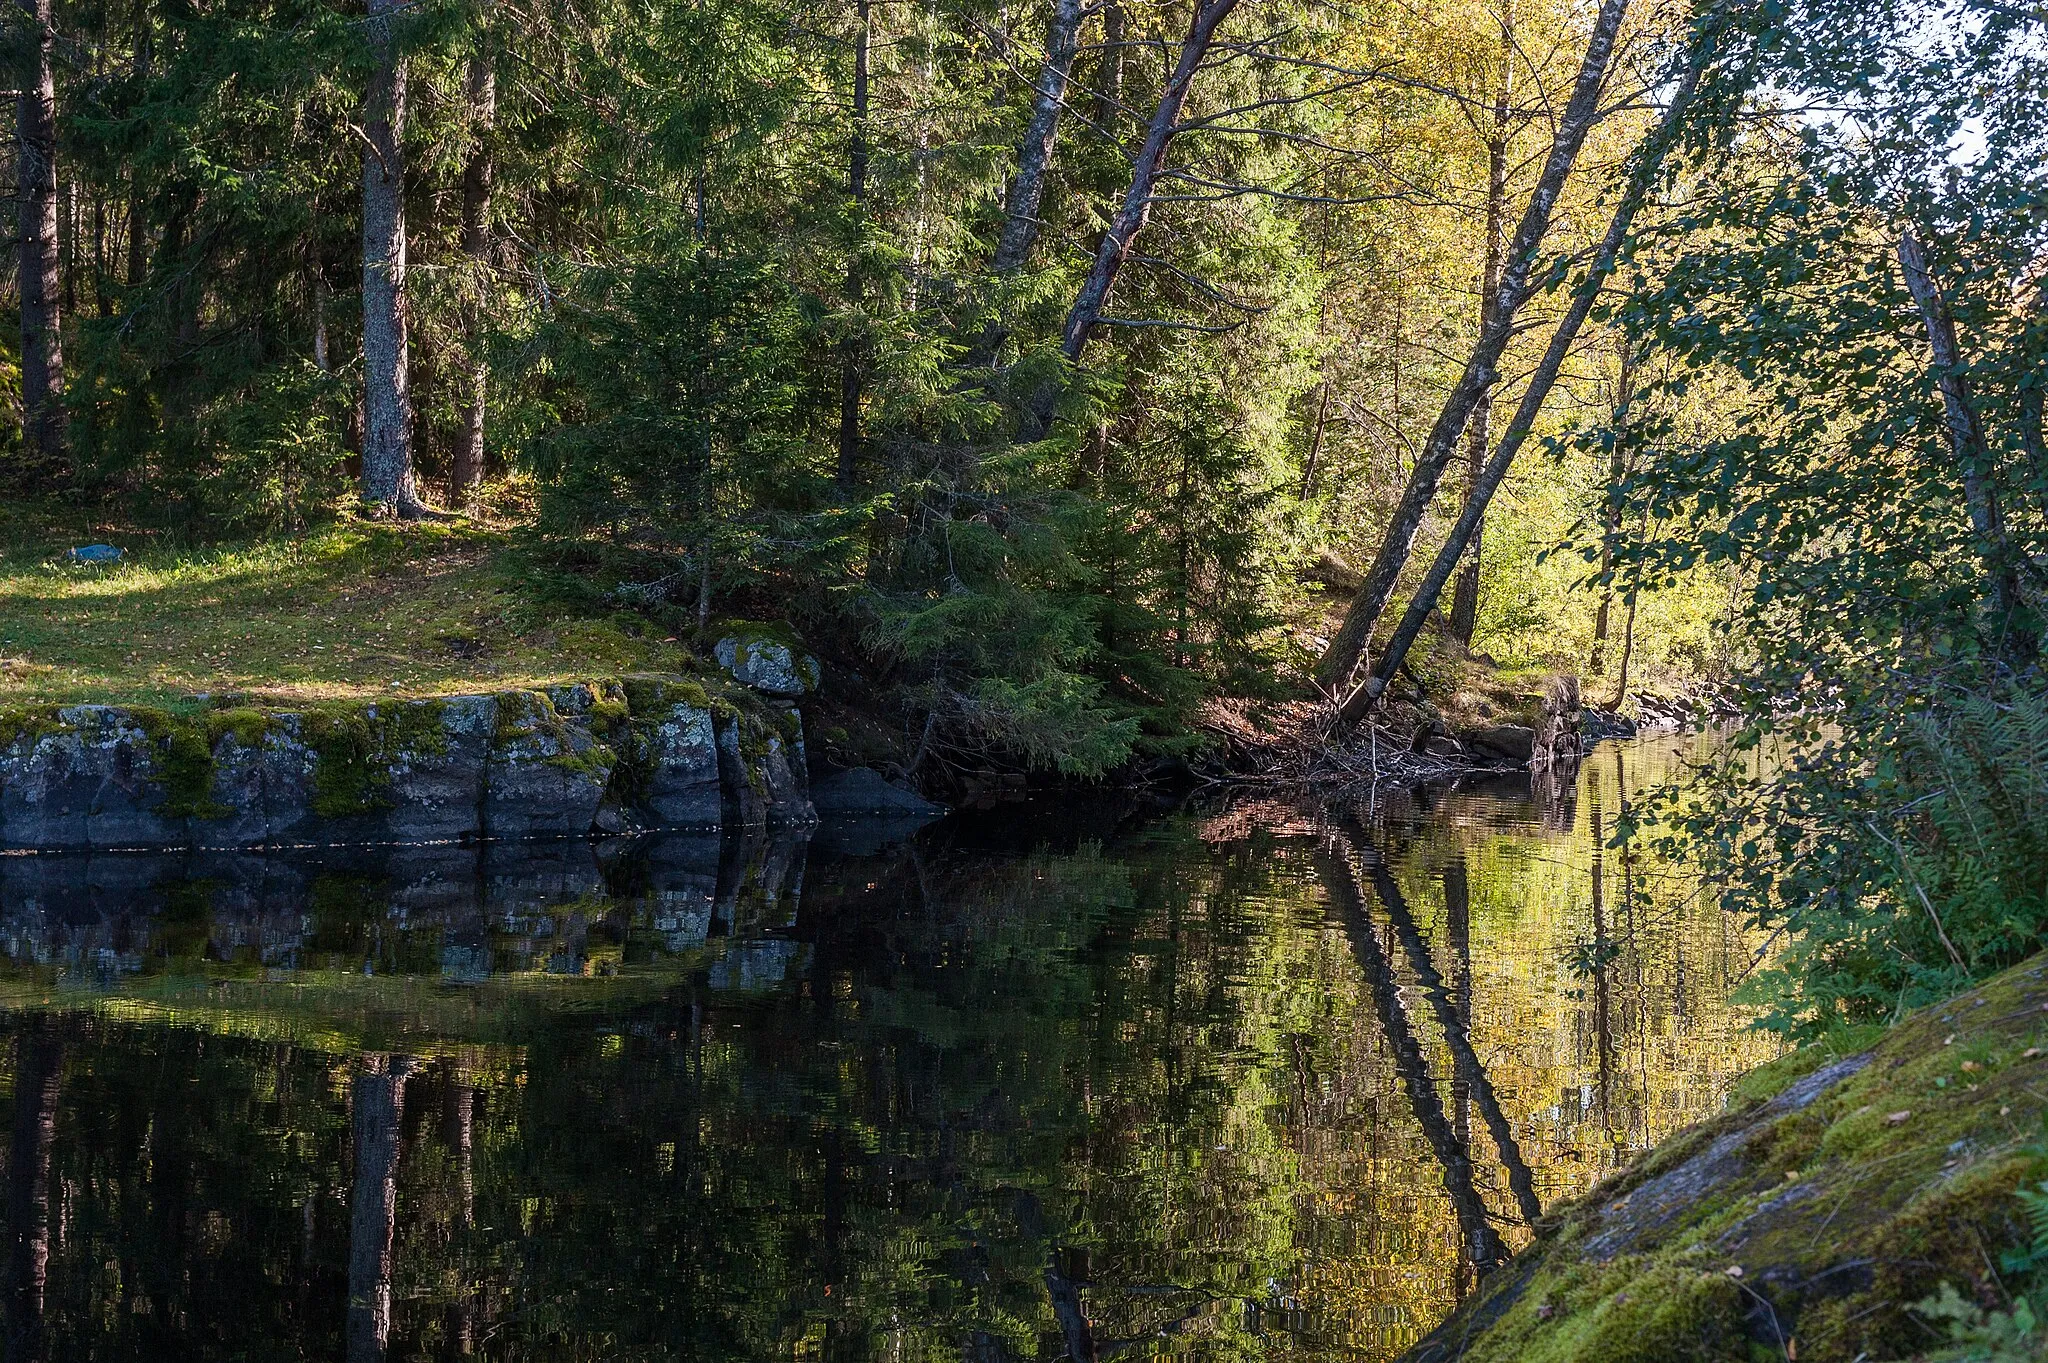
pixel 1899 1117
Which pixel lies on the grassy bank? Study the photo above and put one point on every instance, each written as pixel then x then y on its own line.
pixel 350 609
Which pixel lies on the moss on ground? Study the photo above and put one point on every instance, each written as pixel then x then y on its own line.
pixel 1806 1230
pixel 354 609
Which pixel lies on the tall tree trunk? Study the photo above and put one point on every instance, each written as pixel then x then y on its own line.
pixel 1465 597
pixel 102 301
pixel 388 485
pixel 1610 516
pixel 1628 648
pixel 1341 659
pixel 1109 93
pixel 378 1097
pixel 1034 154
pixel 852 360
pixel 1972 452
pixel 476 244
pixel 1643 170
pixel 1136 208
pixel 36 1078
pixel 42 350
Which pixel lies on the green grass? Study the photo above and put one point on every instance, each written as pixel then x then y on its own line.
pixel 347 610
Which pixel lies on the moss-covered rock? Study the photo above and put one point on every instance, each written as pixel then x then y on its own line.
pixel 1806 1221
pixel 547 773
pixel 595 756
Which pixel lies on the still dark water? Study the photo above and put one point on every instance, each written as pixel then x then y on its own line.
pixel 1253 1082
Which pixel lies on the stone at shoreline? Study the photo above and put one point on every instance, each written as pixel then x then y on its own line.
pixel 1504 742
pixel 864 791
pixel 648 753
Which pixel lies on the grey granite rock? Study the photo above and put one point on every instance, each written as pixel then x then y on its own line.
pixel 650 753
pixel 767 665
pixel 545 777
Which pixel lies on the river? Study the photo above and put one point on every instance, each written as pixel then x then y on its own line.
pixel 1059 1080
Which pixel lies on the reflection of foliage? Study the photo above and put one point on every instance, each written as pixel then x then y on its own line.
pixel 1157 1059
pixel 1586 959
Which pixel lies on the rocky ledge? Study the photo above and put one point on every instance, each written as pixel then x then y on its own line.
pixel 608 756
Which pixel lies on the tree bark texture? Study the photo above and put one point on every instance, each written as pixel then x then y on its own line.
pixel 1465 597
pixel 1648 159
pixel 378 1099
pixel 1109 93
pixel 42 350
pixel 1517 284
pixel 388 485
pixel 1136 208
pixel 852 353
pixel 468 464
pixel 1965 431
pixel 1034 154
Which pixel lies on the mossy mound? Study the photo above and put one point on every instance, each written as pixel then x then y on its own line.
pixel 1808 1220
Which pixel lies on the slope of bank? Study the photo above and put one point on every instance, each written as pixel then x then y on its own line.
pixel 1807 1222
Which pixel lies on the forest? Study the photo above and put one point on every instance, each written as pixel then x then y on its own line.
pixel 1093 389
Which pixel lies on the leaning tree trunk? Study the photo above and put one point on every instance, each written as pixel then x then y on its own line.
pixel 1034 154
pixel 476 244
pixel 1965 430
pixel 1645 164
pixel 1517 284
pixel 1136 209
pixel 388 486
pixel 42 352
pixel 1465 597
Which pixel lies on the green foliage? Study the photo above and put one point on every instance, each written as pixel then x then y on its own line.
pixel 1880 812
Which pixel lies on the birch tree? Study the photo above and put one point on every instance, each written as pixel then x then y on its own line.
pixel 1518 282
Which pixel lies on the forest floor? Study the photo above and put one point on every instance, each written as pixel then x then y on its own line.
pixel 352 608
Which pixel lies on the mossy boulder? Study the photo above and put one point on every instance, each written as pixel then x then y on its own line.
pixel 674 751
pixel 768 662
pixel 1808 1220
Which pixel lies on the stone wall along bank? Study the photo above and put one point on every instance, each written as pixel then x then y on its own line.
pixel 598 757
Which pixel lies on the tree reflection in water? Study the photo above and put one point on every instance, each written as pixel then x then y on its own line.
pixel 1244 1083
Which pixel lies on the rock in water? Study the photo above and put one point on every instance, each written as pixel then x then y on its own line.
pixel 864 791
pixel 1512 742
